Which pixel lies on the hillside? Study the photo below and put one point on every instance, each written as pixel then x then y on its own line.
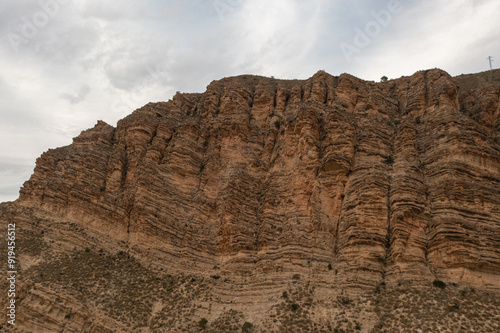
pixel 319 205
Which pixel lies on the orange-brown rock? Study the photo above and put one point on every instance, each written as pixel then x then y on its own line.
pixel 224 200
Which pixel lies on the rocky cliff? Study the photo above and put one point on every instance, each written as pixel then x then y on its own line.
pixel 265 200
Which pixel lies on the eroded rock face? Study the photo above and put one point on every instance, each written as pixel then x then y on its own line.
pixel 344 183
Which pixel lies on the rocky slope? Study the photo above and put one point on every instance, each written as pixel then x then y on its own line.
pixel 264 201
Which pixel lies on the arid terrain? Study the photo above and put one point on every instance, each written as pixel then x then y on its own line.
pixel 331 204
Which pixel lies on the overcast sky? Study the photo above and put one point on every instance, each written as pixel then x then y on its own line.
pixel 64 64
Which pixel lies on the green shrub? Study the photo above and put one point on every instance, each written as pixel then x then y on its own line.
pixel 389 160
pixel 439 284
pixel 344 300
pixel 203 323
pixel 247 327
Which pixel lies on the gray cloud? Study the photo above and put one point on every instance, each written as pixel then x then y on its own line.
pixel 96 59
pixel 80 95
pixel 13 176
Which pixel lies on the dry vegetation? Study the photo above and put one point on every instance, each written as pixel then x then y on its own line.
pixel 450 309
pixel 143 299
pixel 160 302
pixel 119 286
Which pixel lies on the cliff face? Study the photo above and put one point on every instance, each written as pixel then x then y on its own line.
pixel 259 183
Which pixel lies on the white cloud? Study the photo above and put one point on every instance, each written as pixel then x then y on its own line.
pixel 79 96
pixel 455 36
pixel 100 60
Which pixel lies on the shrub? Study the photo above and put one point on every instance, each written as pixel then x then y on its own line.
pixel 277 124
pixel 417 120
pixel 203 323
pixel 295 306
pixel 329 267
pixel 296 277
pixel 344 300
pixel 383 79
pixel 247 327
pixel 389 160
pixel 285 294
pixel 439 284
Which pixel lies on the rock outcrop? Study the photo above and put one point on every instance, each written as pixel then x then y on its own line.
pixel 229 198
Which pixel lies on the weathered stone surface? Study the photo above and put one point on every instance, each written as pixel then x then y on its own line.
pixel 259 185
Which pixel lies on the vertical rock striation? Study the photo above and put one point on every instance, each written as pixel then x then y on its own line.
pixel 346 183
pixel 396 181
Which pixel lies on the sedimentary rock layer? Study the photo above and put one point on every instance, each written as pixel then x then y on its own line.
pixel 343 182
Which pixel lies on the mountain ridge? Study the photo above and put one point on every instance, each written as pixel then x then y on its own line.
pixel 332 185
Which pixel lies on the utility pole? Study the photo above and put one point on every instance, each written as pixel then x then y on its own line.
pixel 490 59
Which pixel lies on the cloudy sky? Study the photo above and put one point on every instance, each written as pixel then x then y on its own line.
pixel 64 64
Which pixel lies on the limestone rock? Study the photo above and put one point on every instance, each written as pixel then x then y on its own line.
pixel 260 185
